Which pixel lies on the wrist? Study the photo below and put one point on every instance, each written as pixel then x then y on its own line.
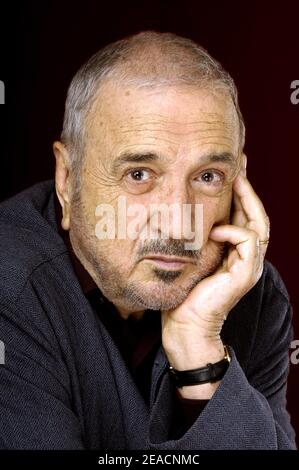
pixel 195 355
pixel 202 382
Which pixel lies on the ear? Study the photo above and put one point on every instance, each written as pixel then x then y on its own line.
pixel 62 181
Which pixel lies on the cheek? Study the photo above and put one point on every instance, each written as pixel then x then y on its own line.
pixel 95 205
pixel 216 212
pixel 118 254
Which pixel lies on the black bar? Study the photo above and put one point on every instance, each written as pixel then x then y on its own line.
pixel 142 459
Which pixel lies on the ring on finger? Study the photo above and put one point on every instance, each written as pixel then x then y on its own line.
pixel 262 242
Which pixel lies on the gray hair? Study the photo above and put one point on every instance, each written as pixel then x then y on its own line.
pixel 146 59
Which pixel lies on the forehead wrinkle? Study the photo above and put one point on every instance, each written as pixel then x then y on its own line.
pixel 215 138
pixel 143 121
pixel 122 111
pixel 162 116
pixel 150 129
pixel 147 140
pixel 218 139
pixel 225 131
pixel 168 117
pixel 175 133
pixel 171 129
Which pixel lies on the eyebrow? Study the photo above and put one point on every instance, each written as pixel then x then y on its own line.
pixel 223 157
pixel 133 158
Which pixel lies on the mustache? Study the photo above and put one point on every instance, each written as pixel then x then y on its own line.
pixel 167 247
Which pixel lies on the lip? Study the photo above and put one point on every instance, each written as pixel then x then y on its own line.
pixel 167 262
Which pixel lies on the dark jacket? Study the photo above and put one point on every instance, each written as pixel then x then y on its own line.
pixel 65 385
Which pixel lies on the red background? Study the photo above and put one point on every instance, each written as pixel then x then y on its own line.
pixel 42 44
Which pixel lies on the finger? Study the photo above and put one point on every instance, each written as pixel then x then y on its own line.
pixel 244 164
pixel 238 217
pixel 239 237
pixel 252 206
pixel 246 259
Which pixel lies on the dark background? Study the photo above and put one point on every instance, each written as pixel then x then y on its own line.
pixel 42 44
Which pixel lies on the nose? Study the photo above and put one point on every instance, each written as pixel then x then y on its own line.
pixel 173 215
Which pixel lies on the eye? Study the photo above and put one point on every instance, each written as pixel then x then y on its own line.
pixel 139 180
pixel 211 182
pixel 139 175
pixel 211 177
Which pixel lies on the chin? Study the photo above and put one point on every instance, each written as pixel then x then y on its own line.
pixel 168 291
pixel 155 296
pixel 153 288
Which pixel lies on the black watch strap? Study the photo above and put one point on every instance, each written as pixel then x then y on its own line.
pixel 202 375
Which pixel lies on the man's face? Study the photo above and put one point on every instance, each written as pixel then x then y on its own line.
pixel 151 146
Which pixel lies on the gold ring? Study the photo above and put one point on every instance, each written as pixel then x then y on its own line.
pixel 262 242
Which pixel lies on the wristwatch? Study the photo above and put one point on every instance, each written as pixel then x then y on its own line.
pixel 202 375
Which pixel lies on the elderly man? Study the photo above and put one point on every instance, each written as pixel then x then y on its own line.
pixel 117 341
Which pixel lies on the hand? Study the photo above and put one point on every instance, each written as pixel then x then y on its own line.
pixel 191 332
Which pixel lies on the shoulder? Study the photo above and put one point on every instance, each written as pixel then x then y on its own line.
pixel 274 282
pixel 275 311
pixel 275 314
pixel 27 238
pixel 269 292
